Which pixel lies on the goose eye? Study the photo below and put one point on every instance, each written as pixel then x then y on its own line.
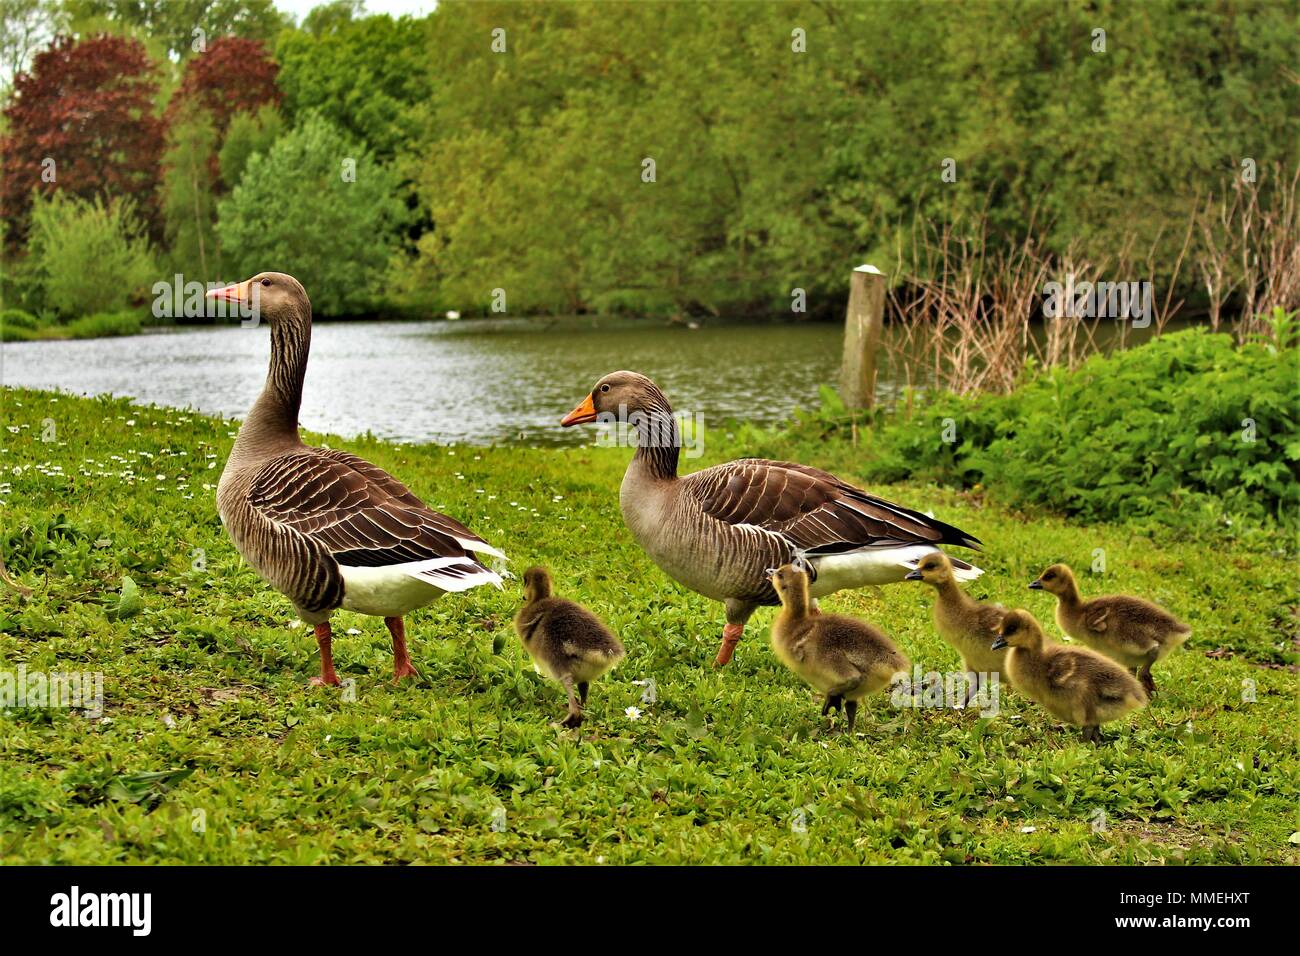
pixel 266 282
pixel 604 388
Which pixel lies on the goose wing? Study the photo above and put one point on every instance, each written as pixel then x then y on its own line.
pixel 361 514
pixel 817 512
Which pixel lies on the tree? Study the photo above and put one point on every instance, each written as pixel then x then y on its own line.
pixel 233 76
pixel 88 255
pixel 188 205
pixel 82 122
pixel 247 134
pixel 363 75
pixel 25 26
pixel 183 25
pixel 318 206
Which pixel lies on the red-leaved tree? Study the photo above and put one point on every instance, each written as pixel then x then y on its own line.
pixel 81 120
pixel 234 75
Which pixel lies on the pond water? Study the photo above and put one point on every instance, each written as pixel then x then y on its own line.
pixel 474 382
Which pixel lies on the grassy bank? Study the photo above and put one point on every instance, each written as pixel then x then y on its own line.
pixel 211 747
pixel 19 326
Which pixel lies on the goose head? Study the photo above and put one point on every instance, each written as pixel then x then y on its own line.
pixel 537 585
pixel 274 296
pixel 790 584
pixel 1019 629
pixel 619 397
pixel 933 569
pixel 1058 580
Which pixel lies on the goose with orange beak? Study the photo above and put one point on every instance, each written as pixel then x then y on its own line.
pixel 327 529
pixel 719 531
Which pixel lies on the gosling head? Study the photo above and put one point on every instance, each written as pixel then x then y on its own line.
pixel 790 584
pixel 1018 629
pixel 537 584
pixel 1058 580
pixel 619 396
pixel 274 296
pixel 933 569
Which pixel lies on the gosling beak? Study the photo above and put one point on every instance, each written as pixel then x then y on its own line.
pixel 585 412
pixel 1035 585
pixel 231 293
pixel 998 645
pixel 912 576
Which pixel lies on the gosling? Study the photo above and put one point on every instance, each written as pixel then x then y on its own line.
pixel 843 658
pixel 568 644
pixel 966 625
pixel 1073 684
pixel 1134 632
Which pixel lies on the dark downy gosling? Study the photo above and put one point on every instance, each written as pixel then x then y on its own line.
pixel 1127 629
pixel 965 624
pixel 844 658
pixel 567 643
pixel 1072 684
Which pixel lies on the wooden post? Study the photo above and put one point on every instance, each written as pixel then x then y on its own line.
pixel 862 330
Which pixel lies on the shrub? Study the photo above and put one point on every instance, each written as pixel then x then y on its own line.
pixel 87 256
pixel 1174 423
pixel 17 325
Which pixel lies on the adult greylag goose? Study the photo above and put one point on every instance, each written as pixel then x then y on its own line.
pixel 327 529
pixel 720 530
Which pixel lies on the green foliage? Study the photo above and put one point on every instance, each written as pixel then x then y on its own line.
pixel 296 211
pixel 189 210
pixel 247 134
pixel 363 74
pixel 210 717
pixel 777 169
pixel 1185 422
pixel 88 256
pixel 17 325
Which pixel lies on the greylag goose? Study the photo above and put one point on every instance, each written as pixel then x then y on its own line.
pixel 327 529
pixel 1127 629
pixel 718 531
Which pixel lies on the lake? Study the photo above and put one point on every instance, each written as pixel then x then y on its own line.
pixel 471 382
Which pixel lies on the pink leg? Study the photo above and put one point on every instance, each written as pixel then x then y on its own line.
pixel 731 635
pixel 324 641
pixel 402 666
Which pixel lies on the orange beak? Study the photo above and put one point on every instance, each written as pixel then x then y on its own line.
pixel 231 293
pixel 585 412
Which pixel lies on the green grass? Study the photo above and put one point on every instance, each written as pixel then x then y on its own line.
pixel 208 680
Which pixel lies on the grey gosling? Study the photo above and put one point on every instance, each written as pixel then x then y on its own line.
pixel 1073 684
pixel 842 657
pixel 1127 629
pixel 568 644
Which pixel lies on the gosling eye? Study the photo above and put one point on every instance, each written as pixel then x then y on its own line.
pixel 266 282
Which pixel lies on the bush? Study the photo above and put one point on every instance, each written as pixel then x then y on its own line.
pixel 1186 423
pixel 87 256
pixel 1183 421
pixel 17 325
pixel 103 325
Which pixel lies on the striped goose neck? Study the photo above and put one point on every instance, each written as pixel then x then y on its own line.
pixel 658 437
pixel 274 416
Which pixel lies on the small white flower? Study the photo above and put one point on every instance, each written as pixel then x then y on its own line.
pixel 633 713
pixel 1028 829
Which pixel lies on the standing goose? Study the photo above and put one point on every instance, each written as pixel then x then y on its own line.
pixel 719 530
pixel 327 529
